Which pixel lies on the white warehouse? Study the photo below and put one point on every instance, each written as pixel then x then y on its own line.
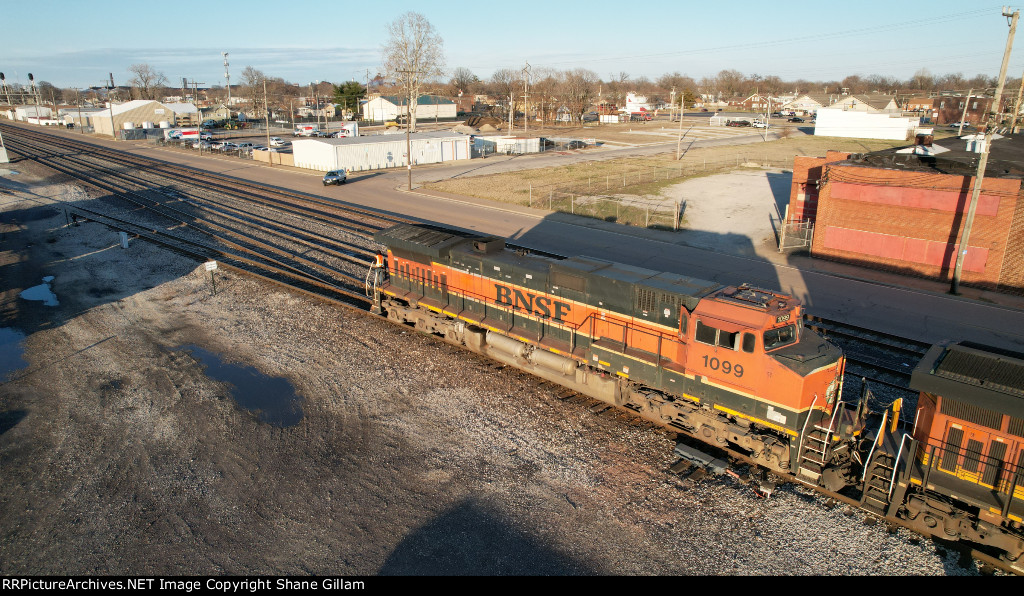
pixel 833 122
pixel 378 152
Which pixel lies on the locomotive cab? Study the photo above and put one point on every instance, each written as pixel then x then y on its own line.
pixel 753 341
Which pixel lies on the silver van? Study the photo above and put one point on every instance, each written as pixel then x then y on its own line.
pixel 335 177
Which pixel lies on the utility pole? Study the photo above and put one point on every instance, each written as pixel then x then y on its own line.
pixel 266 112
pixel 526 95
pixel 990 125
pixel 963 116
pixel 227 79
pixel 78 100
pixel 1016 107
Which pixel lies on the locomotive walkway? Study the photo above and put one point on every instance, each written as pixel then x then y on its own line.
pixel 906 306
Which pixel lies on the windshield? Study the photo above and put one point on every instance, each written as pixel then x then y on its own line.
pixel 780 336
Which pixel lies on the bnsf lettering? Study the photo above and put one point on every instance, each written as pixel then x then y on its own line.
pixel 538 305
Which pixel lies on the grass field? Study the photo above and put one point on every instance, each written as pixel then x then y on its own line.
pixel 630 180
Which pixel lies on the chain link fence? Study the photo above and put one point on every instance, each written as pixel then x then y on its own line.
pixel 629 196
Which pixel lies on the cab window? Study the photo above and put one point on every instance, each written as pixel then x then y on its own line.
pixel 713 336
pixel 728 340
pixel 748 343
pixel 780 336
pixel 706 334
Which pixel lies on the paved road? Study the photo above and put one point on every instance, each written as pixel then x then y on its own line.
pixel 861 297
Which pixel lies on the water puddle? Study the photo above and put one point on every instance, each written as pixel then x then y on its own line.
pixel 42 292
pixel 11 351
pixel 272 399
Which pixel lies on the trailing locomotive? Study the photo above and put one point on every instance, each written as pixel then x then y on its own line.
pixel 731 366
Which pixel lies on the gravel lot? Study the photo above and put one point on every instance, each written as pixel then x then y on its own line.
pixel 120 454
pixel 734 213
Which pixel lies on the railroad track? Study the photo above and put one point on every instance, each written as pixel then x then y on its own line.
pixel 261 244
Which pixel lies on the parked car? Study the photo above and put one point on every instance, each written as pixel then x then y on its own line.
pixel 335 177
pixel 229 147
pixel 245 146
pixel 795 119
pixel 577 144
pixel 278 142
pixel 957 124
pixel 262 148
pixel 590 117
pixel 760 124
pixel 737 123
pixel 206 136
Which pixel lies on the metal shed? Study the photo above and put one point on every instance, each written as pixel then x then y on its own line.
pixel 506 144
pixel 378 152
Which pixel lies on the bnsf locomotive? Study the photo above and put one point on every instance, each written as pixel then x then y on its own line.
pixel 731 366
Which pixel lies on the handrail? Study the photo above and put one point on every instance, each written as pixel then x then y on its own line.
pixel 896 466
pixel 803 431
pixel 867 462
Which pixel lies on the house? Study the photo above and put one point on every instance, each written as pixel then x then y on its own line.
pixel 921 105
pixel 759 103
pixel 954 108
pixel 871 104
pixel 809 103
pixel 217 112
pixel 390 107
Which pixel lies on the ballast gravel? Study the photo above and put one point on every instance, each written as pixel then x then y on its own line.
pixel 120 455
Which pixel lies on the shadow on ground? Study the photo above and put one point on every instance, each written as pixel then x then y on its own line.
pixel 471 540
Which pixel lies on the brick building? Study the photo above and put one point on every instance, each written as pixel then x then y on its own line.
pixel 906 214
pixel 950 108
pixel 803 198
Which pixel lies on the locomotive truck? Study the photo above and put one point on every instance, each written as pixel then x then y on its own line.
pixel 731 366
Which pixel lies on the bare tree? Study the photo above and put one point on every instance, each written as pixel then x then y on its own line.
pixel 681 83
pixel 506 83
pixel 577 91
pixel 922 79
pixel 731 82
pixel 543 89
pixel 413 55
pixel 70 96
pixel 463 80
pixel 146 82
pixel 252 87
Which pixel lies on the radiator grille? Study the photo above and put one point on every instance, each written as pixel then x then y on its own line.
pixel 971 413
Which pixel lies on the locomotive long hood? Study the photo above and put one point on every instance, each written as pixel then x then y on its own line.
pixel 808 355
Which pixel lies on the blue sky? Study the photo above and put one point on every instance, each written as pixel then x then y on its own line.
pixel 77 44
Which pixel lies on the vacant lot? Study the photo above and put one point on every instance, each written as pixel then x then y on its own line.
pixel 647 176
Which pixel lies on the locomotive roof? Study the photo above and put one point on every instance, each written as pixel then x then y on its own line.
pixel 431 240
pixel 984 376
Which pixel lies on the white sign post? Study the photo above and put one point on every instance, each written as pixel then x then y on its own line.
pixel 211 266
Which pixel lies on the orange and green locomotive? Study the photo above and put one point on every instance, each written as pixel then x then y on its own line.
pixel 726 364
pixel 731 366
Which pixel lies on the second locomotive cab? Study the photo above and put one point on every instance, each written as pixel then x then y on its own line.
pixel 728 365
